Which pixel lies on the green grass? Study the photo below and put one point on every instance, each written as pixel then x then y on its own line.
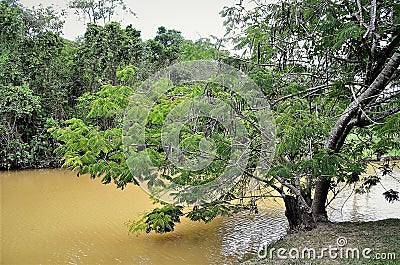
pixel 380 236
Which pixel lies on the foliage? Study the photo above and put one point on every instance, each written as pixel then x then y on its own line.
pixel 161 51
pixel 98 10
pixel 160 220
pixel 94 145
pixel 48 75
pixel 316 67
pixel 209 211
pixel 90 151
pixel 104 51
pixel 202 49
pixel 33 55
pixel 331 78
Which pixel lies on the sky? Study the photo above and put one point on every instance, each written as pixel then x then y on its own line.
pixel 194 18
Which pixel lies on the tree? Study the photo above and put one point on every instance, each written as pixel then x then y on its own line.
pixel 34 83
pixel 93 144
pixel 165 47
pixel 96 11
pixel 335 99
pixel 340 61
pixel 104 51
pixel 17 105
pixel 202 49
pixel 162 51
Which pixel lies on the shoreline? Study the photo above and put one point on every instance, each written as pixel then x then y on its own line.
pixel 56 163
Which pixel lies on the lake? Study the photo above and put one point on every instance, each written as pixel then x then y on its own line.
pixel 51 216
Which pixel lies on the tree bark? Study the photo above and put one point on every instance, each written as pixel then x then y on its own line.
pixel 298 216
pixel 320 197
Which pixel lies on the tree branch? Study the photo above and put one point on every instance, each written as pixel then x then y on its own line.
pixel 380 116
pixel 359 15
pixel 373 17
pixel 295 191
pixel 385 55
pixel 385 98
pixel 309 90
pixel 374 90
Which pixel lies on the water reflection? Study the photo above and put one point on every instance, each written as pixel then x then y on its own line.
pixel 372 206
pixel 245 233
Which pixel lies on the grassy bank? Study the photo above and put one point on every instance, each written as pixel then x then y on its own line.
pixel 381 237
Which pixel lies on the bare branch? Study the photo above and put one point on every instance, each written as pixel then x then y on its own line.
pixel 309 90
pixel 373 17
pixel 359 15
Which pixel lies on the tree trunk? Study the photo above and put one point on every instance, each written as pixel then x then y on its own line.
pixel 350 118
pixel 298 216
pixel 320 197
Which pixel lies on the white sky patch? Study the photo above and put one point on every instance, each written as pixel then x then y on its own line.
pixel 195 19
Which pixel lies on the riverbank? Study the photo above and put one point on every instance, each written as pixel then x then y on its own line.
pixel 381 237
pixel 49 163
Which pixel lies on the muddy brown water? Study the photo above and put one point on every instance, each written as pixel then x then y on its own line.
pixel 52 217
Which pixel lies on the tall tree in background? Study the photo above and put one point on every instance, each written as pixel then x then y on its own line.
pixel 98 11
pixel 104 51
pixel 165 48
